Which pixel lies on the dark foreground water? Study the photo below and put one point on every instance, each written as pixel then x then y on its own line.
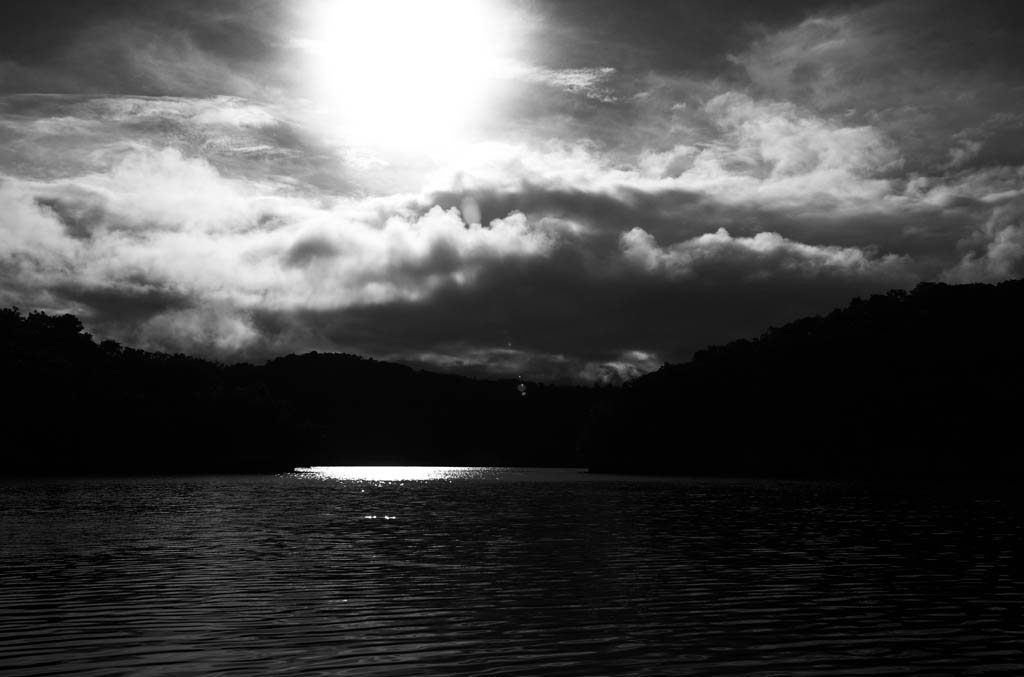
pixel 503 572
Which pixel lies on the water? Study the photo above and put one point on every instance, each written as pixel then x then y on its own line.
pixel 503 572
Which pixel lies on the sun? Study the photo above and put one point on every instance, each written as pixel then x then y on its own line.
pixel 405 75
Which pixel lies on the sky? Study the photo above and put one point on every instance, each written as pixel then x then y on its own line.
pixel 577 190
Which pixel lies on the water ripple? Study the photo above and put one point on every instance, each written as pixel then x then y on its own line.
pixel 503 572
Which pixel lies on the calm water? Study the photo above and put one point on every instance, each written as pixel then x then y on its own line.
pixel 503 572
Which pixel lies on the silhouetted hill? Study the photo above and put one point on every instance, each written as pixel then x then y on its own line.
pixel 922 383
pixel 76 406
pixel 914 384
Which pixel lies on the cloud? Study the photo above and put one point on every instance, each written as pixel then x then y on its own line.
pixel 757 256
pixel 925 77
pixel 560 255
pixel 308 251
pixel 773 151
pixel 52 136
pixel 622 209
pixel 580 308
pixel 157 220
pixel 182 48
pixel 592 83
pixel 32 241
pixel 629 365
pixel 203 262
pixel 225 111
pixel 755 151
pixel 218 328
pixel 996 251
pixel 811 61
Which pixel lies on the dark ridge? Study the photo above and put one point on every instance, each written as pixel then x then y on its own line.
pixel 926 383
pixel 78 407
pixel 918 384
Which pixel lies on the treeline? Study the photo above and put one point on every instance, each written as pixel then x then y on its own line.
pixel 906 384
pixel 918 384
pixel 78 406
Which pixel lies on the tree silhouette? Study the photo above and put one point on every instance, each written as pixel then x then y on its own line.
pixel 80 407
pixel 904 384
pixel 908 384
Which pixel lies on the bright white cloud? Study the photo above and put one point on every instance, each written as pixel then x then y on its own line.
pixel 36 252
pixel 176 223
pixel 763 152
pixel 773 152
pixel 761 255
pixel 164 190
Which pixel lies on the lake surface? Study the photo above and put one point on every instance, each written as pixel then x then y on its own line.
pixel 356 571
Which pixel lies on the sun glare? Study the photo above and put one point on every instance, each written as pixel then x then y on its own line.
pixel 398 473
pixel 405 75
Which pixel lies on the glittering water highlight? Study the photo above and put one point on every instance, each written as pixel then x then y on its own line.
pixel 447 571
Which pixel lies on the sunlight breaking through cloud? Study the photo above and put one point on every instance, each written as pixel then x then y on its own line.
pixel 201 196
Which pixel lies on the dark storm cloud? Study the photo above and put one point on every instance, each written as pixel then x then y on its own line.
pixel 80 217
pixel 924 233
pixel 116 310
pixel 571 310
pixel 35 30
pixel 306 251
pixel 687 36
pixel 996 249
pixel 939 77
pixel 604 211
pixel 182 47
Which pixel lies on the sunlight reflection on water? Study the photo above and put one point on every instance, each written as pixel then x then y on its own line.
pixel 427 571
pixel 398 473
